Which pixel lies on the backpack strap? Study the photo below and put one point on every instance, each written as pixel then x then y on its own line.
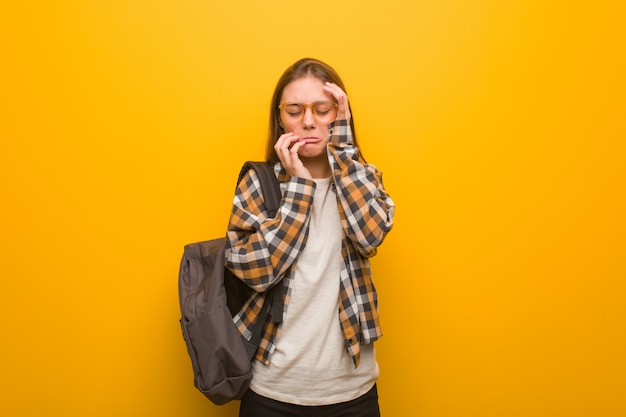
pixel 270 188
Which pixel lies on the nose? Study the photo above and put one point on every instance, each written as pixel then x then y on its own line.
pixel 309 119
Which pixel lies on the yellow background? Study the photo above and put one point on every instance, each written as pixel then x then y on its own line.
pixel 499 126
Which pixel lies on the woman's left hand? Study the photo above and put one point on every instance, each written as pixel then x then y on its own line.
pixel 343 109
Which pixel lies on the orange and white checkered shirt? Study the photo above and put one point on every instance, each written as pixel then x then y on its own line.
pixel 262 250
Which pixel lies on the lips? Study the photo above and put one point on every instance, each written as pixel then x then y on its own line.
pixel 310 140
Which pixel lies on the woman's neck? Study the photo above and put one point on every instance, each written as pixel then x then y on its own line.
pixel 319 167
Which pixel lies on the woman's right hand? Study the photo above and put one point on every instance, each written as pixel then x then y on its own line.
pixel 286 148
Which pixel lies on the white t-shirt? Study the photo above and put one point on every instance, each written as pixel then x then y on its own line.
pixel 310 365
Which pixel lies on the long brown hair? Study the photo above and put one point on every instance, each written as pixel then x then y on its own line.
pixel 306 67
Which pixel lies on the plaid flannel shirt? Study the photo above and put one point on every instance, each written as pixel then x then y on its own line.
pixel 262 250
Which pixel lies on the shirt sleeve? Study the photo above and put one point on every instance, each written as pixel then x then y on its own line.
pixel 368 209
pixel 261 249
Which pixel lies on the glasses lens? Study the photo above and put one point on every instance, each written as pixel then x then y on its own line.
pixel 293 112
pixel 324 111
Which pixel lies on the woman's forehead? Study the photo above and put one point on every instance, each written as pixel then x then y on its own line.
pixel 305 90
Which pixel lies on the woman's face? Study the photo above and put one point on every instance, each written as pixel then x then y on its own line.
pixel 309 129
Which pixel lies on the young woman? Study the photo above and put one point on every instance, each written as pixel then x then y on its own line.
pixel 318 358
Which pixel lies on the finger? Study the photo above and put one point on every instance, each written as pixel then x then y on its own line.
pixel 285 140
pixel 336 91
pixel 281 145
pixel 333 88
pixel 296 167
pixel 293 151
pixel 290 159
pixel 343 109
pixel 282 148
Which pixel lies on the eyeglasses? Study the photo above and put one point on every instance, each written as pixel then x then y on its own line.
pixel 324 111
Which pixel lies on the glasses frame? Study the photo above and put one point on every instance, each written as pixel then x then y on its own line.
pixel 308 106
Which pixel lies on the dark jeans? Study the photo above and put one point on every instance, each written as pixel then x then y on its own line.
pixel 255 405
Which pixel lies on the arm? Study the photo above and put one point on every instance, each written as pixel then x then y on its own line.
pixel 261 249
pixel 366 204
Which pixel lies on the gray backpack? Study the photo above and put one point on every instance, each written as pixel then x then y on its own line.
pixel 210 295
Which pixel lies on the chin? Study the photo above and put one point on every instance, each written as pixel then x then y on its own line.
pixel 312 153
